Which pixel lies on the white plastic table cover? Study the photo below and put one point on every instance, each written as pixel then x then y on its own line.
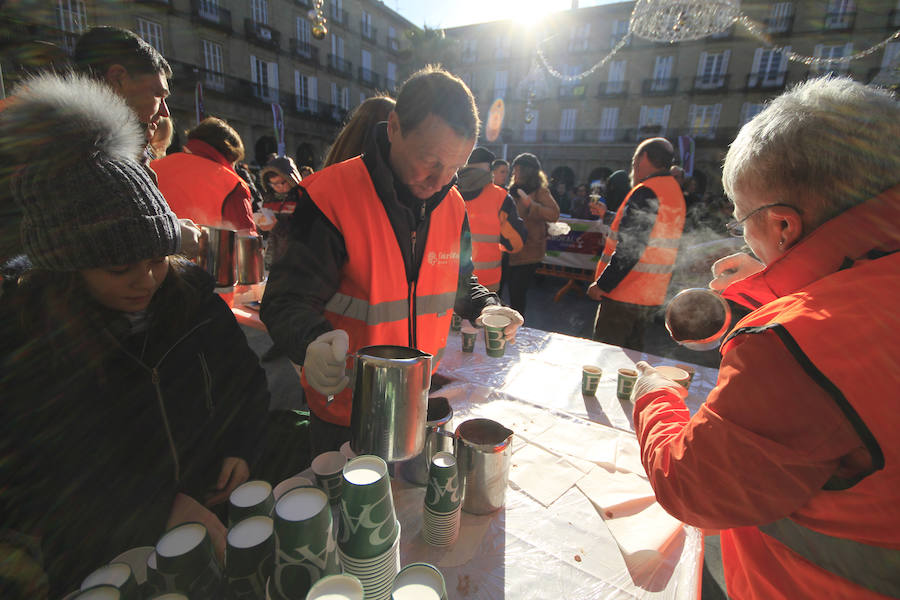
pixel 562 551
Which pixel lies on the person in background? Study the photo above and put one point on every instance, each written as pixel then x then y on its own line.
pixel 280 179
pixel 536 206
pixel 306 171
pixel 380 251
pixel 634 271
pixel 131 400
pixel 244 172
pixel 355 135
pixel 794 455
pixel 617 187
pixel 500 172
pixel 581 208
pixel 200 182
pixel 493 218
pixel 161 137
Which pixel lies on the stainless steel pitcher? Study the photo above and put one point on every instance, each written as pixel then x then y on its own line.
pixel 390 401
pixel 250 260
pixel 217 253
pixel 483 449
pixel 437 439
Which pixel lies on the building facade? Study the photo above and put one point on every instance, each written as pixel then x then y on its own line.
pixel 246 55
pixel 705 89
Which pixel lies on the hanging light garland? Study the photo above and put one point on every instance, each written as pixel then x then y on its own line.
pixel 317 15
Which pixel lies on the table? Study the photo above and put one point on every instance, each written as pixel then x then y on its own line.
pixel 528 550
pixel 574 256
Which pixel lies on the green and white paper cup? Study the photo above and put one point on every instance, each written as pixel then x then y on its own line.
pixel 99 592
pixel 443 493
pixel 250 499
pixel 419 581
pixel 469 335
pixel 590 379
pixel 337 587
pixel 116 574
pixel 676 374
pixel 625 383
pixel 494 342
pixel 368 523
pixel 186 560
pixel 249 556
pixel 169 596
pixel 328 468
pixel 305 550
pixel 455 322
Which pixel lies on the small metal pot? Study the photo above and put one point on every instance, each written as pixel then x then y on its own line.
pixel 483 450
pixel 697 318
pixel 437 439
pixel 250 260
pixel 217 253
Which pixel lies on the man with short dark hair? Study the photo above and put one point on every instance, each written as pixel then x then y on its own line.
pixel 380 252
pixel 636 265
pixel 500 172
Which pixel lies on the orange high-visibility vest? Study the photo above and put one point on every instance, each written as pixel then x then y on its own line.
pixel 374 303
pixel 647 281
pixel 844 542
pixel 195 187
pixel 484 222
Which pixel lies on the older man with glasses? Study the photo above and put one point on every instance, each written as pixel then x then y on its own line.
pixel 795 455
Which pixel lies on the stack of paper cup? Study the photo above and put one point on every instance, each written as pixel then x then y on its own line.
pixel 305 549
pixel 250 499
pixel 117 574
pixel 337 587
pixel 440 522
pixel 419 581
pixel 249 555
pixel 184 562
pixel 369 532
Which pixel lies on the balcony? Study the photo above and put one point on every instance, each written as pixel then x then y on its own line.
pixel 839 21
pixel 261 34
pixel 369 78
pixel 208 14
pixel 332 113
pixel 615 38
pixel 304 3
pixel 705 84
pixel 769 81
pixel 659 87
pixel 339 17
pixel 468 56
pixel 572 92
pixel 164 3
pixel 368 32
pixel 393 44
pixel 610 89
pixel 305 52
pixel 339 66
pixel 780 25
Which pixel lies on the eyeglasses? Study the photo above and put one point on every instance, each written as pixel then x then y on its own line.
pixel 736 228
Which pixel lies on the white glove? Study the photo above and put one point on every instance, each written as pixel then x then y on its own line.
pixel 515 320
pixel 733 267
pixel 650 380
pixel 326 359
pixel 190 238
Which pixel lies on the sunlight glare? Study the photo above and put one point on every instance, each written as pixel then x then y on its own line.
pixel 528 13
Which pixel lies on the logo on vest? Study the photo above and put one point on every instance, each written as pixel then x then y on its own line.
pixel 442 258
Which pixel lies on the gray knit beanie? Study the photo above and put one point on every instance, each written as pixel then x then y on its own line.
pixel 87 202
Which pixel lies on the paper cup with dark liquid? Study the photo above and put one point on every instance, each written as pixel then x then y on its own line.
pixel 625 383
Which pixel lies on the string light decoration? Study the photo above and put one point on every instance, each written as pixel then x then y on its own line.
pixel 317 15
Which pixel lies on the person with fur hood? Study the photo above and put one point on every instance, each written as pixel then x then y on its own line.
pixel 131 401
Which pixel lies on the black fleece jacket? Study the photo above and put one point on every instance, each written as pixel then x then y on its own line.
pixel 305 278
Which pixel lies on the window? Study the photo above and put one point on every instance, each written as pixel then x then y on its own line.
pixel 581 35
pixel 654 120
pixel 367 67
pixel 345 98
pixel 571 88
pixel 711 69
pixel 151 32
pixel 500 84
pixel 335 95
pixel 306 92
pixel 891 56
pixel 337 11
pixel 703 120
pixel 337 46
pixel 840 14
pixel 567 124
pixel 391 75
pixel 304 31
pixel 529 130
pixel 662 73
pixel 616 79
pixel 750 110
pixel 212 61
pixel 264 76
pixel 502 48
pixel 209 10
pixel 70 17
pixel 781 18
pixel 469 51
pixel 619 31
pixel 769 67
pixel 835 53
pixel 259 10
pixel 609 118
pixel 366 28
pixel 393 42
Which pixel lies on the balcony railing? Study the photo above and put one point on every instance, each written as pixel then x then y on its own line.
pixel 710 83
pixel 780 25
pixel 659 87
pixel 840 21
pixel 305 52
pixel 165 3
pixel 304 3
pixel 339 66
pixel 369 77
pixel 393 44
pixel 767 81
pixel 339 16
pixel 211 15
pixel 368 32
pixel 262 34
pixel 615 38
pixel 576 92
pixel 609 89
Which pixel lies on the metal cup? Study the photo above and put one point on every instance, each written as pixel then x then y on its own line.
pixel 249 556
pixel 483 449
pixel 415 470
pixel 216 253
pixel 250 260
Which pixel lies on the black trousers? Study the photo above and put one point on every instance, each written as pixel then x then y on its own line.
pixel 519 279
pixel 623 324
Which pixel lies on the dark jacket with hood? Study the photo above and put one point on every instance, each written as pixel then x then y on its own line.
pixel 309 273
pixel 95 447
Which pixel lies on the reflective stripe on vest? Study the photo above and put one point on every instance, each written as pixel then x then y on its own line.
pixel 484 223
pixel 646 282
pixel 374 303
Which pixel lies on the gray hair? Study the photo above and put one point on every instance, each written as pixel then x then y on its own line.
pixel 825 146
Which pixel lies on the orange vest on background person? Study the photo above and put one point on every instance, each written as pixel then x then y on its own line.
pixel 838 338
pixel 648 280
pixel 195 187
pixel 374 303
pixel 484 223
